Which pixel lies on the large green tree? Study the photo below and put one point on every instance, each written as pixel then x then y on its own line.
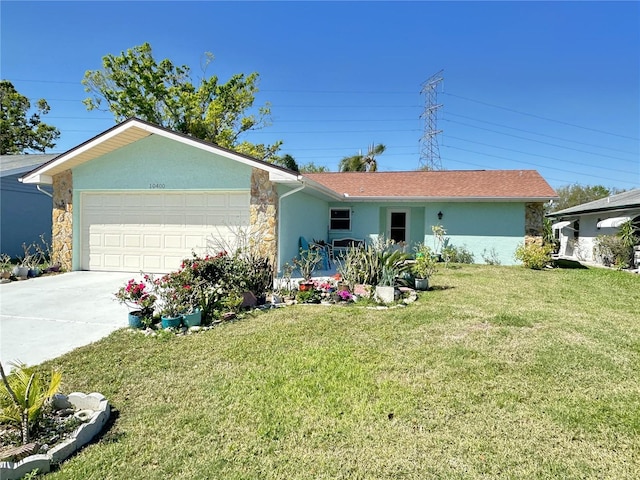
pixel 313 168
pixel 20 132
pixel 287 161
pixel 134 84
pixel 362 163
pixel 572 195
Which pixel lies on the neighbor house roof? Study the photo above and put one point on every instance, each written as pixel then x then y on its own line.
pixel 450 185
pixel 621 201
pixel 19 164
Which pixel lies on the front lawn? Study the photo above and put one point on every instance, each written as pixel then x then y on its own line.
pixel 500 372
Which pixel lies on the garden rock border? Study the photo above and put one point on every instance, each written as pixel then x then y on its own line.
pixel 101 409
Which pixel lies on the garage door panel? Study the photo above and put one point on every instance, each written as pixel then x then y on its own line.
pixel 152 241
pixel 131 262
pixel 112 240
pixel 112 261
pixel 95 240
pixel 236 201
pixel 196 201
pixel 132 240
pixel 152 263
pixel 173 220
pixel 150 200
pixel 155 231
pixel 217 201
pixel 195 242
pixel 173 241
pixel 114 200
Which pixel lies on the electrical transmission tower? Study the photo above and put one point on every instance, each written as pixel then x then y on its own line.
pixel 429 151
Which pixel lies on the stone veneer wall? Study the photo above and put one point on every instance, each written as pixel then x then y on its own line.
pixel 533 223
pixel 62 229
pixel 263 214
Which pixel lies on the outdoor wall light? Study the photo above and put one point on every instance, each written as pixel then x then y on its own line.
pixel 440 215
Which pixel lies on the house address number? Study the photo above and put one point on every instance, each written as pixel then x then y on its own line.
pixel 156 185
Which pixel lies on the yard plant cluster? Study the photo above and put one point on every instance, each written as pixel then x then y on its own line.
pixel 35 260
pixel 26 414
pixel 498 372
pixel 213 284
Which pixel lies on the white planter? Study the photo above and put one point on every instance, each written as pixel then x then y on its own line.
pixel 386 294
pixel 20 272
pixel 100 411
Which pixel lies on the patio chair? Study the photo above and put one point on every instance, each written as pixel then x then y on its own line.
pixel 323 250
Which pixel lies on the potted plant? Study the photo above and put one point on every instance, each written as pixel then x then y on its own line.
pixel 171 300
pixel 307 264
pixel 21 270
pixel 424 266
pixel 140 300
pixel 5 266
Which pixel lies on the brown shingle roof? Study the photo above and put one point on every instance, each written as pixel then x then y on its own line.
pixel 447 184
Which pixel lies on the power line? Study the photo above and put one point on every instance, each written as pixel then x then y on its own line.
pixel 538 155
pixel 540 141
pixel 538 165
pixel 540 134
pixel 541 117
pixel 483 166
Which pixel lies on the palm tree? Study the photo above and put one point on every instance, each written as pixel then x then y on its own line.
pixel 362 163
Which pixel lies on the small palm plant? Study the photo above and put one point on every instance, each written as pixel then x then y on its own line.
pixel 25 394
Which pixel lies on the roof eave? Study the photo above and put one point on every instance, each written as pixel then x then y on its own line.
pixel 346 197
pixel 276 173
pixel 319 187
pixel 573 213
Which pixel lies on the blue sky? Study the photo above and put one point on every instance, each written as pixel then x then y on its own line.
pixel 551 86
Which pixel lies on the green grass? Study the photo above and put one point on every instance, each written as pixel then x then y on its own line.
pixel 499 372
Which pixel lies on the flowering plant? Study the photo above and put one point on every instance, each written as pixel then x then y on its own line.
pixel 137 296
pixel 344 295
pixel 325 286
pixel 174 296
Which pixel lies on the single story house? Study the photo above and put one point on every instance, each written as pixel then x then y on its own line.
pixel 578 227
pixel 26 211
pixel 141 197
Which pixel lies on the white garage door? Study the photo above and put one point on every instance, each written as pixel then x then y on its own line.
pixel 154 231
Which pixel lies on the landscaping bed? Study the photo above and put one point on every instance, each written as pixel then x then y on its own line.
pixel 496 372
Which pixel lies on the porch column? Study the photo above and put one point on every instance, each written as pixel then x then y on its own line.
pixel 62 228
pixel 263 215
pixel 533 223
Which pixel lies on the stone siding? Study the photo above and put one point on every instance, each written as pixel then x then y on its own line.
pixel 62 228
pixel 263 214
pixel 533 219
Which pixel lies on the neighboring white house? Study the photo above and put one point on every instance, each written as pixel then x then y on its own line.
pixel 578 227
pixel 26 212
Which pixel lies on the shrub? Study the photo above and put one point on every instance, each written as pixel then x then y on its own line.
pixel 454 254
pixel 490 257
pixel 425 264
pixel 367 265
pixel 25 393
pixel 612 251
pixel 534 255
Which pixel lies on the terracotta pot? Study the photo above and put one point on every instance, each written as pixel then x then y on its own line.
pixel 305 286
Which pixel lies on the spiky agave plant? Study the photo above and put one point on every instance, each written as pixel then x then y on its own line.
pixel 25 394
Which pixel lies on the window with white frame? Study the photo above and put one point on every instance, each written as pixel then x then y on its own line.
pixel 340 219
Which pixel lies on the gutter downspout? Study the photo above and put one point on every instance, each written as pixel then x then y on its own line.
pixel 280 197
pixel 43 191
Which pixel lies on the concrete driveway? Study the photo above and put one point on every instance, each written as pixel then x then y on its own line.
pixel 43 318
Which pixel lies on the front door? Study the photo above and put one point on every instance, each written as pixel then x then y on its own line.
pixel 398 225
